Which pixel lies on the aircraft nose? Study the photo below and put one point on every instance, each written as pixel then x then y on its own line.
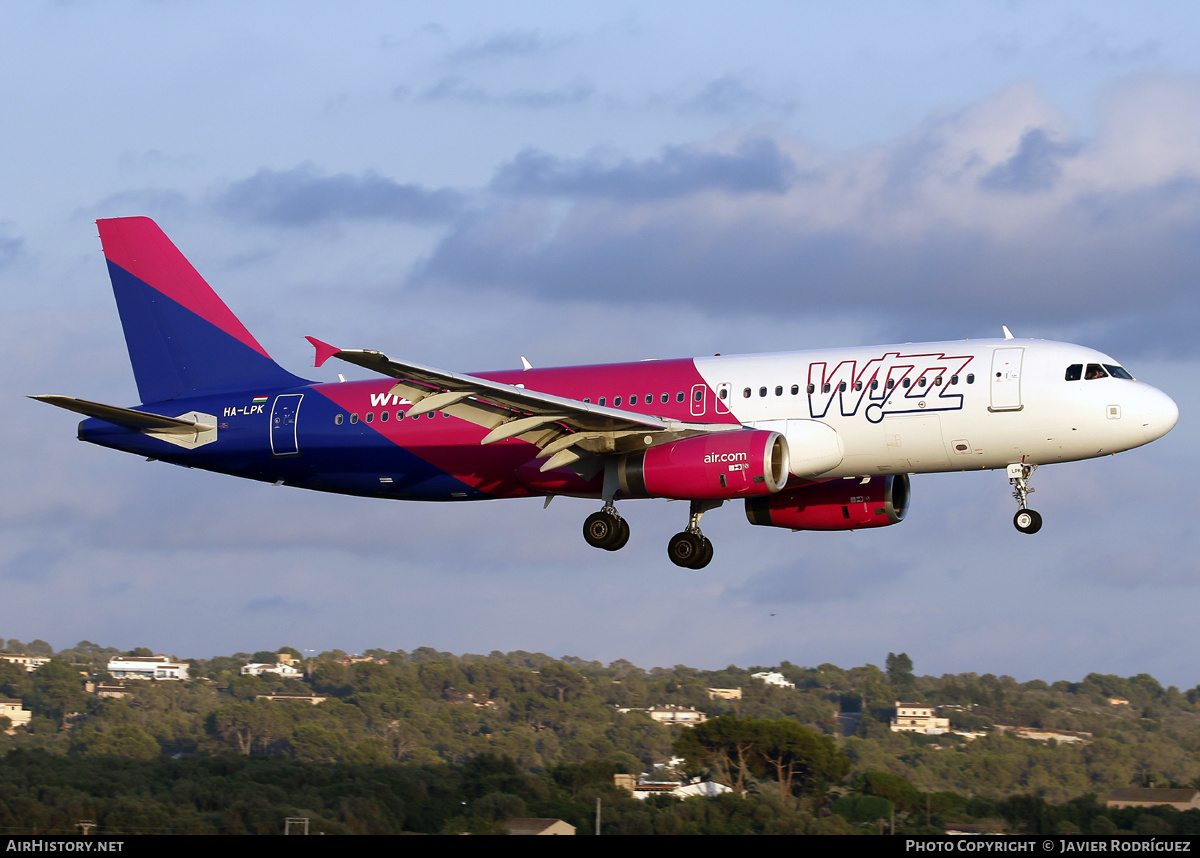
pixel 1158 414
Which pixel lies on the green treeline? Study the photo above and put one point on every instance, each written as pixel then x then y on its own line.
pixel 439 743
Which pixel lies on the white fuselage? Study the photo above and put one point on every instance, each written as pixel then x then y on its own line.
pixel 933 407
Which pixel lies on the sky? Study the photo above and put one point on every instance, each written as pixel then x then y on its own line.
pixel 463 184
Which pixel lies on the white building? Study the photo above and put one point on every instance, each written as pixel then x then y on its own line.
pixel 17 714
pixel 149 667
pixel 29 662
pixel 912 718
pixel 280 669
pixel 770 677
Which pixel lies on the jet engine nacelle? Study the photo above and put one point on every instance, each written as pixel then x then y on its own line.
pixel 835 505
pixel 726 465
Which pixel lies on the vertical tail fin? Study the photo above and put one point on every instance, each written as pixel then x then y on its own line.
pixel 182 338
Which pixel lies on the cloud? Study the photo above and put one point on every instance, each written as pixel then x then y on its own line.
pixel 11 244
pixel 730 95
pixel 515 43
pixel 757 165
pixel 975 217
pixel 304 196
pixel 1034 166
pixel 457 89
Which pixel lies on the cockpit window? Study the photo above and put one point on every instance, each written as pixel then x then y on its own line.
pixel 1094 371
pixel 1118 372
pixel 1075 372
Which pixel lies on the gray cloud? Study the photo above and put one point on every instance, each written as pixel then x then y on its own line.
pixel 731 95
pixel 1034 166
pixel 972 220
pixel 303 196
pixel 756 166
pixel 457 89
pixel 516 43
pixel 11 244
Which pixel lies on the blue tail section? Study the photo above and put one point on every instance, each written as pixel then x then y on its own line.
pixel 183 340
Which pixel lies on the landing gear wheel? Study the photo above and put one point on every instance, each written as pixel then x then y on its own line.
pixel 1027 521
pixel 603 530
pixel 622 536
pixel 684 548
pixel 706 554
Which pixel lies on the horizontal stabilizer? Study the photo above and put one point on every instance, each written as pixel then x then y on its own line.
pixel 139 421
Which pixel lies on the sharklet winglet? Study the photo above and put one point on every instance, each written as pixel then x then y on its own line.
pixel 324 351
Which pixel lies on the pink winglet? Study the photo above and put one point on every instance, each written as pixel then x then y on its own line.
pixel 324 350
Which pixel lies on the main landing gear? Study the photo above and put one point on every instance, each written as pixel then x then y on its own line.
pixel 1026 520
pixel 606 529
pixel 689 548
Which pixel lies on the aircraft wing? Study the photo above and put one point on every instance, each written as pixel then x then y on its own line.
pixel 565 429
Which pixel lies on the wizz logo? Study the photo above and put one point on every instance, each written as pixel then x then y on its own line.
pixel 891 384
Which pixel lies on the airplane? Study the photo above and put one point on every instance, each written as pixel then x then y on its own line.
pixel 809 440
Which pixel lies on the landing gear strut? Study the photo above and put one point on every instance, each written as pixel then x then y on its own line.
pixel 690 548
pixel 1026 520
pixel 606 529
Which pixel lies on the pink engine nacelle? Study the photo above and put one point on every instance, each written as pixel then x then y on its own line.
pixel 835 505
pixel 726 465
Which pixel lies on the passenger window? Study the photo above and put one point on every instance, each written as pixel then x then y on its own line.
pixel 383 417
pixel 921 381
pixel 666 397
pixel 795 389
pixel 602 398
pixel 746 393
pixel 337 420
pixel 432 414
pixel 724 394
pixel 842 387
pixel 587 399
pixel 825 387
pixel 633 399
pixel 858 385
pixel 812 389
pixel 762 391
pixel 353 418
pixel 906 383
pixel 891 383
pixel 954 379
pixel 370 417
pixel 970 378
pixel 616 402
pixel 874 384
pixel 1074 372
pixel 779 390
pixel 399 415
pixel 937 382
pixel 679 396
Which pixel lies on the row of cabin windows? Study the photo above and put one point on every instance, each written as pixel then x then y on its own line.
pixel 723 393
pixel 858 385
pixel 648 399
pixel 384 416
pixel 1094 370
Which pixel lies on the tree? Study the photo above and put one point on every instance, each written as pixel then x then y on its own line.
pixel 725 744
pixel 797 757
pixel 900 670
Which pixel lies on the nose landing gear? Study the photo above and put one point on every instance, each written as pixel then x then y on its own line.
pixel 1026 520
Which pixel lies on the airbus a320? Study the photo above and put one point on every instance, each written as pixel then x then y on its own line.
pixel 808 440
